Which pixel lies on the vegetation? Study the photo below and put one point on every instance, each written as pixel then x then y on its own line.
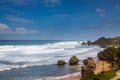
pixel 105 42
pixel 102 76
pixel 111 55
pixel 118 57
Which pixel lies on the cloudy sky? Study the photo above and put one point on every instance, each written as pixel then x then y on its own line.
pixel 59 19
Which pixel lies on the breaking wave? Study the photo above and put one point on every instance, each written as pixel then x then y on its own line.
pixel 19 56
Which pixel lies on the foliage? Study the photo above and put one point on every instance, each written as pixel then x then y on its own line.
pixel 111 55
pixel 102 76
pixel 105 42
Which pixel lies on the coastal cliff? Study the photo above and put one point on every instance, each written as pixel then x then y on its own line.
pixel 105 42
pixel 108 63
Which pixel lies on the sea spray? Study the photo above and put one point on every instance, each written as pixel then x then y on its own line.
pixel 37 59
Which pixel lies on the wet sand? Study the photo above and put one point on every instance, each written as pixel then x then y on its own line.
pixel 77 77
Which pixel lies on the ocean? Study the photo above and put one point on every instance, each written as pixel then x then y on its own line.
pixel 36 59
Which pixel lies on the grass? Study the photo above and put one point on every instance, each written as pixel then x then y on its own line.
pixel 107 75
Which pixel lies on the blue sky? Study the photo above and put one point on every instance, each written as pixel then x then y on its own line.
pixel 59 19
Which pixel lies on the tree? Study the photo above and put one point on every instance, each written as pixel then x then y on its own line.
pixel 118 59
pixel 111 54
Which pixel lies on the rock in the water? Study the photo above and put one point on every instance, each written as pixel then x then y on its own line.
pixel 73 60
pixel 61 62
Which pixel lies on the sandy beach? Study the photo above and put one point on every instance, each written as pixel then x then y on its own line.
pixel 99 68
pixel 72 77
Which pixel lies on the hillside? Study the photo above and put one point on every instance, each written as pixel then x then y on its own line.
pixel 105 42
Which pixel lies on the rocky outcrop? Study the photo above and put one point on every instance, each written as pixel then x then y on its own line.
pixel 89 62
pixel 88 68
pixel 105 42
pixel 73 60
pixel 111 55
pixel 61 62
pixel 83 43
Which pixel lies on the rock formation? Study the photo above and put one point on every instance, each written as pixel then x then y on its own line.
pixel 88 68
pixel 110 54
pixel 105 42
pixel 73 60
pixel 61 62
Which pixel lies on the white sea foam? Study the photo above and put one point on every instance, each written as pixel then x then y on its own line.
pixel 36 55
pixel 61 77
pixel 67 75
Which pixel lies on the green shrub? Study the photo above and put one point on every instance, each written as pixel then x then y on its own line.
pixel 107 75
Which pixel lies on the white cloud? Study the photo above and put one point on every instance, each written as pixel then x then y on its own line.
pixel 5 29
pixel 23 30
pixel 101 12
pixel 51 3
pixel 3 26
pixel 18 19
pixel 18 2
pixel 20 30
pixel 62 15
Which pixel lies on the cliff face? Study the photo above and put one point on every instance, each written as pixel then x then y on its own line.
pixel 105 42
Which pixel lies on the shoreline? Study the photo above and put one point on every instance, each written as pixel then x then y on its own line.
pixel 98 69
pixel 74 76
pixel 77 75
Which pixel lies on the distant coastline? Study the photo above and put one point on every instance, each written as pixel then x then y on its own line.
pixel 106 42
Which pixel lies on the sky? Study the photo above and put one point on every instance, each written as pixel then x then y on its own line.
pixel 59 19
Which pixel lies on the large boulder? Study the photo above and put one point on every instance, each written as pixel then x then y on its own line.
pixel 83 43
pixel 61 62
pixel 89 62
pixel 73 60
